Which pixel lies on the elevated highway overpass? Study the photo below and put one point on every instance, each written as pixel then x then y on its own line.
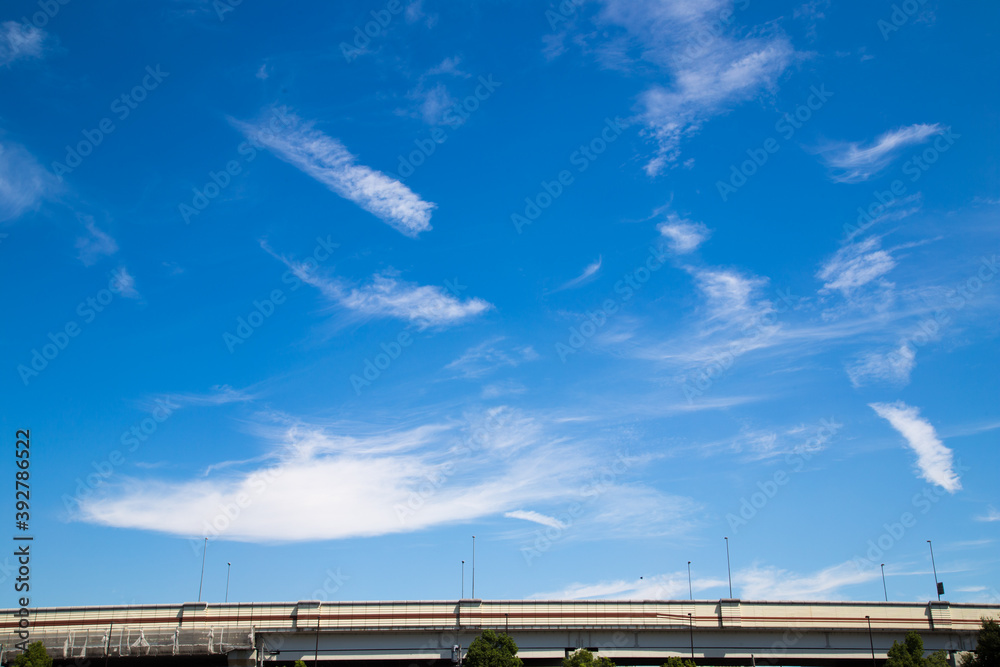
pixel 425 633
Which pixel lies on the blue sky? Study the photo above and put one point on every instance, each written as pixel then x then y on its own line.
pixel 599 282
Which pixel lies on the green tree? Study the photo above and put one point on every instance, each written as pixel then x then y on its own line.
pixel 987 647
pixel 678 662
pixel 911 654
pixel 300 663
pixel 492 650
pixel 35 656
pixel 584 658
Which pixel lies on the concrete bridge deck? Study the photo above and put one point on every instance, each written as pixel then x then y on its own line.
pixel 633 632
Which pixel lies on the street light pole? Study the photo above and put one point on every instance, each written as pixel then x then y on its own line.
pixel 691 631
pixel 202 582
pixel 690 590
pixel 937 586
pixel 871 641
pixel 463 579
pixel 473 567
pixel 884 589
pixel 729 568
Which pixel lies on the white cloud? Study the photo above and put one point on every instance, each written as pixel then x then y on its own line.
pixel 91 248
pixel 589 273
pixel 23 182
pixel 434 103
pixel 219 395
pixel 325 159
pixel 684 236
pixel 856 265
pixel 19 40
pixel 753 583
pixel 992 514
pixel 855 162
pixel 125 284
pixel 731 73
pixel 710 68
pixel 386 481
pixel 933 459
pixel 386 296
pixel 772 583
pixel 425 305
pixel 672 586
pixel 891 368
pixel 488 356
pixel 527 515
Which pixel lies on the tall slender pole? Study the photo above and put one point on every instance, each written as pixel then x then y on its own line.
pixel 316 654
pixel 202 582
pixel 729 568
pixel 691 630
pixel 229 568
pixel 690 590
pixel 870 640
pixel 884 589
pixel 937 586
pixel 473 567
pixel 463 579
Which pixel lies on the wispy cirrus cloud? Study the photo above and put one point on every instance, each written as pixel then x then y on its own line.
pixel 893 367
pixel 536 517
pixel 855 162
pixel 23 182
pixel 588 274
pixel 95 245
pixel 855 265
pixel 753 583
pixel 20 41
pixel 488 356
pixel 328 161
pixel 388 296
pixel 683 236
pixel 934 460
pixel 125 283
pixel 379 471
pixel 711 68
pixel 992 514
